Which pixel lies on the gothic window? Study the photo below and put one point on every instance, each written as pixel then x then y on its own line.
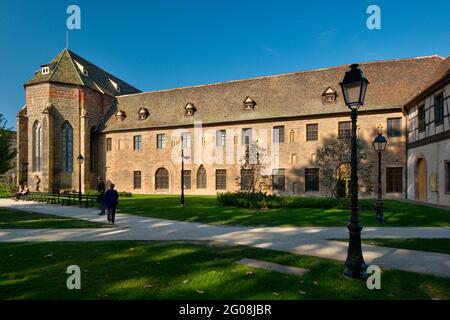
pixel 37 146
pixel 67 148
pixel 292 136
pixel 201 178
pixel 162 179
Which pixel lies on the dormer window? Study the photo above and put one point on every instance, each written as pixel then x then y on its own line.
pixel 329 96
pixel 249 103
pixel 143 114
pixel 120 115
pixel 82 68
pixel 45 70
pixel 189 109
pixel 115 85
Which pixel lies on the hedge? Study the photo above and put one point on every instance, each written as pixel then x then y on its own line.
pixel 266 201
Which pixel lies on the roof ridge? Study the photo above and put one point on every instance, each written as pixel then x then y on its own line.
pixel 283 74
pixel 57 65
pixel 75 56
pixel 74 66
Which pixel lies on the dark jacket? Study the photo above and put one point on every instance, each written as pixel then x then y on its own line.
pixel 101 187
pixel 111 198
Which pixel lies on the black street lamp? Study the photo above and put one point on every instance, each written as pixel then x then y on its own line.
pixel 182 171
pixel 80 160
pixel 354 86
pixel 379 145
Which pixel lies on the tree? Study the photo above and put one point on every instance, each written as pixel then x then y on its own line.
pixel 334 166
pixel 7 153
pixel 251 178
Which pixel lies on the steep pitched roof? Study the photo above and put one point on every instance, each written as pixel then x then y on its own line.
pixel 392 83
pixel 67 67
pixel 440 77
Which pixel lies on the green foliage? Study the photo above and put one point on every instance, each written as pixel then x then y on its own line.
pixel 122 194
pixel 7 153
pixel 261 200
pixel 125 194
pixel 91 192
pixel 6 189
pixel 333 160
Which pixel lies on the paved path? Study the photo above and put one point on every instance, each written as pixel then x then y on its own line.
pixel 310 241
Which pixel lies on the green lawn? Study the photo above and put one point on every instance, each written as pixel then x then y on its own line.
pixel 15 219
pixel 432 245
pixel 206 209
pixel 157 270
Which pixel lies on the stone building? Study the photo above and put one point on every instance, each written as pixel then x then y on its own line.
pixel 134 138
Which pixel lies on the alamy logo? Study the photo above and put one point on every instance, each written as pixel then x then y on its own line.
pixel 74 20
pixel 374 280
pixel 374 20
pixel 74 280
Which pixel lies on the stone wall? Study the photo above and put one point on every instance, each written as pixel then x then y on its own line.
pixel 294 156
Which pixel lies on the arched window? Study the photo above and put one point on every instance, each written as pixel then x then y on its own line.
pixel 67 147
pixel 292 136
pixel 162 179
pixel 37 146
pixel 201 178
pixel 92 150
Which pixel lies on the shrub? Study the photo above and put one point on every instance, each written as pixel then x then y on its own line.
pixel 7 189
pixel 91 192
pixel 265 201
pixel 125 194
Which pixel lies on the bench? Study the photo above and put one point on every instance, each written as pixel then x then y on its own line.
pixel 65 199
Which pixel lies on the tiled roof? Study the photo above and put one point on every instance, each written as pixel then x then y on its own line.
pixel 392 83
pixel 66 68
pixel 440 77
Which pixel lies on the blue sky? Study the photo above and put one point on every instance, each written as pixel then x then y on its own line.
pixel 166 44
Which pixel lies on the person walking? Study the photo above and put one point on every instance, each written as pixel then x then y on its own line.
pixel 111 201
pixel 101 188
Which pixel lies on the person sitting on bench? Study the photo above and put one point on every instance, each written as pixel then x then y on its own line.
pixel 20 192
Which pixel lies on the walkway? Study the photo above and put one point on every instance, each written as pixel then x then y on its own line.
pixel 310 241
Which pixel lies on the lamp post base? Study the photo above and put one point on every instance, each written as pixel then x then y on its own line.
pixel 380 215
pixel 355 267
